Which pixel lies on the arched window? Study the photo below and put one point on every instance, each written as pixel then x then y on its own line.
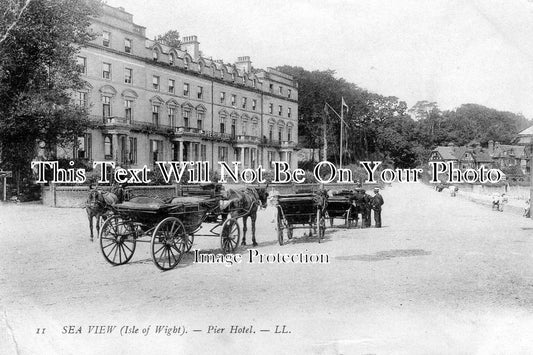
pixel 171 59
pixel 155 55
pixel 186 62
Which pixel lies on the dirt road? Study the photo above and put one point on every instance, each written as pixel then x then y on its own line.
pixel 444 275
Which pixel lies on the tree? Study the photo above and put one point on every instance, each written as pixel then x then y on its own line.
pixel 170 38
pixel 38 76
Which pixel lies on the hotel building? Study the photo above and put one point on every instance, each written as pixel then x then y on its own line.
pixel 150 102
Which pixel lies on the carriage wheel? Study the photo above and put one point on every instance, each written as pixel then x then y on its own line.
pixel 320 224
pixel 230 235
pixel 280 227
pixel 117 240
pixel 186 243
pixel 348 220
pixel 168 242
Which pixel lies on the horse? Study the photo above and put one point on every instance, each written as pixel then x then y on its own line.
pixel 245 203
pixel 99 203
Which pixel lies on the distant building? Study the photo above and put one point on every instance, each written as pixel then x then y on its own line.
pixel 151 102
pixel 473 156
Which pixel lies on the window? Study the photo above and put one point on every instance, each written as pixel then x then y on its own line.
pixel 200 120
pixel 254 128
pixel 106 106
pixel 132 151
pixel 127 45
pixel 200 92
pixel 186 62
pixel 222 126
pixel 233 99
pixel 233 128
pixel 289 93
pixel 171 85
pixel 105 38
pixel 172 116
pixel 222 73
pixel 81 98
pixel 271 108
pixel 254 83
pixel 155 55
pixel 128 75
pixel 271 88
pixel 222 154
pixel 106 71
pixel 280 110
pixel 289 134
pixel 155 82
pixel 280 134
pixel 127 110
pixel 156 150
pixel 171 59
pixel 195 151
pixel 82 65
pixel 270 158
pixel 222 97
pixel 254 104
pixel 233 77
pixel 108 147
pixel 237 154
pixel 280 90
pixel 271 133
pixel 185 89
pixel 186 116
pixel 203 152
pixel 155 115
pixel 289 112
pixel 244 101
pixel 244 128
pixel 84 148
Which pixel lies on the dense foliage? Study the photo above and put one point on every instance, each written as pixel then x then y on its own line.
pixel 381 128
pixel 38 76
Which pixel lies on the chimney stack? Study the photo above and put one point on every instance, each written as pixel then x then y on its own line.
pixel 244 64
pixel 191 45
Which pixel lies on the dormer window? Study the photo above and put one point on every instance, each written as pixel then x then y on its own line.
pixel 127 45
pixel 186 62
pixel 155 55
pixel 222 73
pixel 106 38
pixel 171 59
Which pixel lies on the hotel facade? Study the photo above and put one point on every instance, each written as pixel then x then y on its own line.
pixel 150 102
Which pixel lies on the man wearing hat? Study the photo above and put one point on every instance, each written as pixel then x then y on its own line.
pixel 377 202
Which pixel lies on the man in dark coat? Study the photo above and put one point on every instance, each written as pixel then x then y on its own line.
pixel 357 206
pixel 367 209
pixel 377 202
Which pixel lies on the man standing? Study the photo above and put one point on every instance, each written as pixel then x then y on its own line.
pixel 367 219
pixel 377 202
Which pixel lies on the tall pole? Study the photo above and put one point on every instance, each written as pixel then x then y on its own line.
pixel 324 129
pixel 342 121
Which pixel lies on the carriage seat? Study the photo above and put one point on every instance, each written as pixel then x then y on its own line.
pixel 143 203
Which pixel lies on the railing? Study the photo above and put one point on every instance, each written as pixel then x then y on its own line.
pixel 247 139
pixel 288 144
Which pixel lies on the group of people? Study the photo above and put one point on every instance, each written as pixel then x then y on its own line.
pixel 363 204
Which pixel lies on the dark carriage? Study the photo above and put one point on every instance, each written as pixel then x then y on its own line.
pixel 169 227
pixel 301 211
pixel 340 207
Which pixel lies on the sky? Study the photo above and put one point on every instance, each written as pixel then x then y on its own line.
pixel 449 51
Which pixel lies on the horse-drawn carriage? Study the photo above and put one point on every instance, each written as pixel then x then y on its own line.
pixel 171 225
pixel 301 211
pixel 340 207
pixel 168 227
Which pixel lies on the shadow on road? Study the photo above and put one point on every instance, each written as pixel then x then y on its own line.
pixel 385 255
